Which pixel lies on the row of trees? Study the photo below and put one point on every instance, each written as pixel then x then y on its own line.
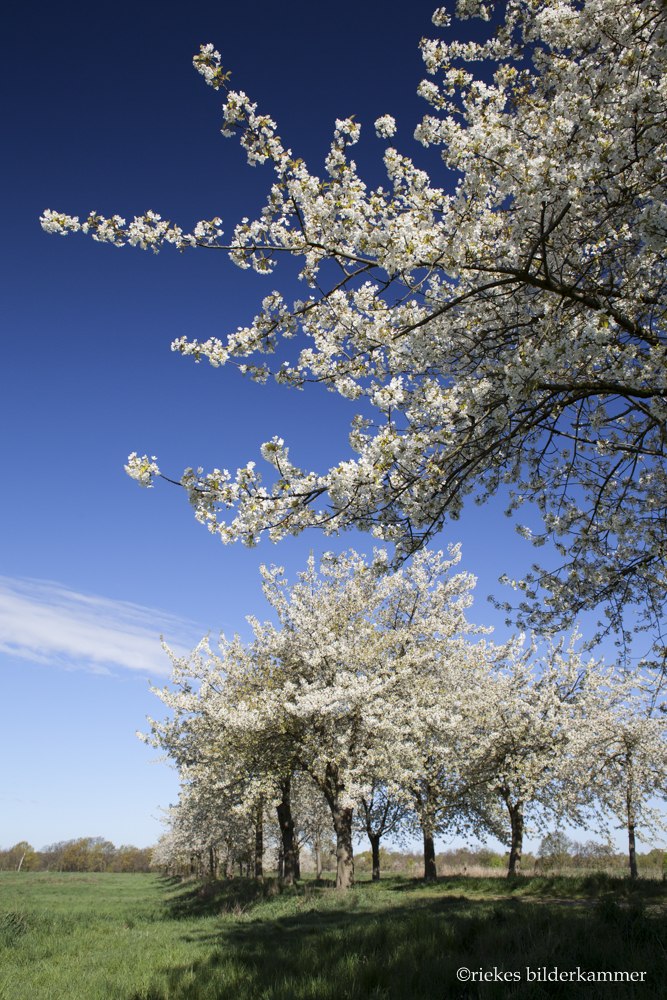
pixel 374 703
pixel 85 854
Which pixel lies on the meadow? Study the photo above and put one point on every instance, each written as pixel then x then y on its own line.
pixel 146 937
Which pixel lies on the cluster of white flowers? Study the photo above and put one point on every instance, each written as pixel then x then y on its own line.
pixel 385 127
pixel 509 333
pixel 148 230
pixel 142 469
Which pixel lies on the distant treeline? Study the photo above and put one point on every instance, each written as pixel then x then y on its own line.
pixel 555 851
pixel 95 854
pixel 87 854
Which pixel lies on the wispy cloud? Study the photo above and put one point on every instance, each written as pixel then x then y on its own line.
pixel 49 623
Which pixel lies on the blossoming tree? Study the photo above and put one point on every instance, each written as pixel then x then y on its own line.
pixel 331 691
pixel 507 322
pixel 205 829
pixel 625 753
pixel 351 642
pixel 435 739
pixel 527 734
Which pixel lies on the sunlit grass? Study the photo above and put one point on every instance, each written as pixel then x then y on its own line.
pixel 141 937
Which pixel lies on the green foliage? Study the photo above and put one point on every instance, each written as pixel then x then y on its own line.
pixel 86 854
pixel 363 862
pixel 471 857
pixel 555 850
pixel 653 859
pixel 103 936
pixel 489 859
pixel 21 854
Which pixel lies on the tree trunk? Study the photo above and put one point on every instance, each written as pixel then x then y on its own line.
pixel 229 862
pixel 342 821
pixel 297 852
pixel 259 839
pixel 281 860
pixel 333 788
pixel 516 846
pixel 383 820
pixel 211 863
pixel 318 854
pixel 286 823
pixel 375 852
pixel 425 800
pixel 430 868
pixel 632 855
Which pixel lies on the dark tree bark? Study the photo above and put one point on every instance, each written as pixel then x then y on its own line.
pixel 426 803
pixel 515 810
pixel 430 867
pixel 632 854
pixel 259 839
pixel 342 821
pixel 212 863
pixel 333 788
pixel 297 849
pixel 375 852
pixel 318 854
pixel 286 823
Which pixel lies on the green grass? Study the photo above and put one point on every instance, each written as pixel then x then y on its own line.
pixel 142 937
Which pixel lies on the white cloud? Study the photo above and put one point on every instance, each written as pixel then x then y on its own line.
pixel 49 623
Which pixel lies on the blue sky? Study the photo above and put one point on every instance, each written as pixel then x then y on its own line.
pixel 105 112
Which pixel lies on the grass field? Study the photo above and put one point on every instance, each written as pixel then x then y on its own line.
pixel 143 937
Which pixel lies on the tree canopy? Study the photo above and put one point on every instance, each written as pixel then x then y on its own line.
pixel 506 322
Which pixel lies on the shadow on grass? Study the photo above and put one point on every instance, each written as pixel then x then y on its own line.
pixel 592 885
pixel 336 949
pixel 171 881
pixel 215 898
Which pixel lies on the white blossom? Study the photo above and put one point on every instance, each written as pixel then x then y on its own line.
pixel 506 321
pixel 385 127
